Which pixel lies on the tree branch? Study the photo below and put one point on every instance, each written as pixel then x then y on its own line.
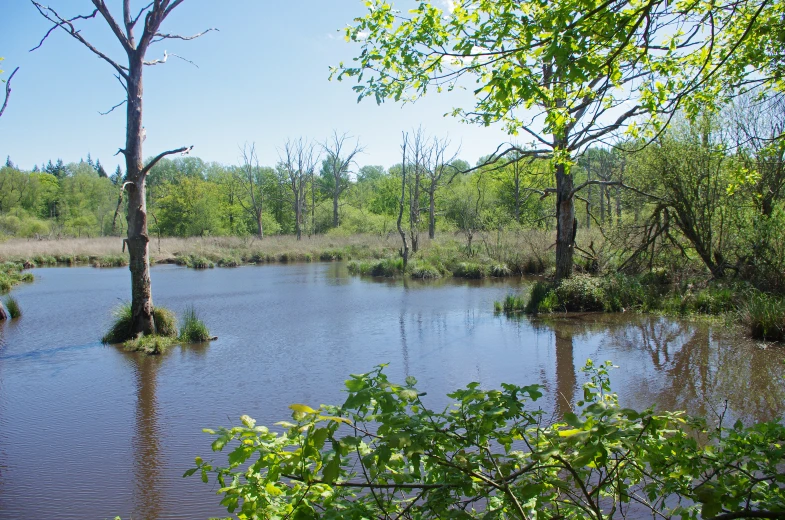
pixel 7 91
pixel 121 103
pixel 184 150
pixel 163 36
pixel 68 26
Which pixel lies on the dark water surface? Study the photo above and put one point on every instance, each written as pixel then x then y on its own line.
pixel 88 431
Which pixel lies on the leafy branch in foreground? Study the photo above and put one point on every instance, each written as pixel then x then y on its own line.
pixel 493 454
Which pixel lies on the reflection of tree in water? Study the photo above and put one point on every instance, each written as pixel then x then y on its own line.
pixel 701 365
pixel 566 381
pixel 146 447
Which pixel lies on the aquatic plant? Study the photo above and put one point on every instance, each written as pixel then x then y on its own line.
pixel 764 315
pixel 14 311
pixel 193 329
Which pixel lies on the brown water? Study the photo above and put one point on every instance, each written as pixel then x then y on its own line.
pixel 88 431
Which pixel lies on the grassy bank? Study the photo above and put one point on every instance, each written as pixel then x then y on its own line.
pixel 498 254
pixel 11 274
pixel 762 314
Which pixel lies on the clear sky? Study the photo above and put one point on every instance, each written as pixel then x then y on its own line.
pixel 262 78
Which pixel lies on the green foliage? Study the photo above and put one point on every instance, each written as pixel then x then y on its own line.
pixel 470 270
pixel 493 454
pixel 512 303
pixel 424 270
pixel 193 329
pixel 11 274
pixel 386 267
pixel 542 298
pixel 12 306
pixel 764 315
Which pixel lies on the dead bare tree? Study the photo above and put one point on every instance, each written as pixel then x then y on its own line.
pixel 298 159
pixel 250 178
pixel 405 248
pixel 7 91
pixel 151 16
pixel 337 163
pixel 438 172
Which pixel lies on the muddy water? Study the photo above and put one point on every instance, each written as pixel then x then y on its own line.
pixel 88 431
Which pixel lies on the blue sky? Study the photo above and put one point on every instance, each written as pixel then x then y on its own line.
pixel 262 78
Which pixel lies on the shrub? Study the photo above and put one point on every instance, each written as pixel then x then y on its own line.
pixel 14 311
pixel 581 293
pixel 500 270
pixel 423 270
pixel 193 329
pixel 764 315
pixel 590 463
pixel 470 270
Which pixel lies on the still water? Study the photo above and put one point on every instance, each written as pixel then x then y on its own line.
pixel 88 431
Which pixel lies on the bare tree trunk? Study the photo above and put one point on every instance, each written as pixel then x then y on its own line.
pixel 565 223
pixel 139 254
pixel 431 214
pixel 335 209
pixel 405 248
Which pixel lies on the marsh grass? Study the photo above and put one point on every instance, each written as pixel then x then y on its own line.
pixel 193 329
pixel 151 345
pixel 120 331
pixel 512 303
pixel 12 306
pixel 11 274
pixel 764 316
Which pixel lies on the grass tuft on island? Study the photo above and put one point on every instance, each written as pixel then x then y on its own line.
pixel 120 331
pixel 193 330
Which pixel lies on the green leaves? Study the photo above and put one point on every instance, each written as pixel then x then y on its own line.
pixel 384 453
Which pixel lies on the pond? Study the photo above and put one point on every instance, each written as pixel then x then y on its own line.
pixel 90 431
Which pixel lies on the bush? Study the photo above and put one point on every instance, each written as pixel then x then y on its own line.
pixel 470 270
pixel 590 463
pixel 423 270
pixel 581 293
pixel 193 329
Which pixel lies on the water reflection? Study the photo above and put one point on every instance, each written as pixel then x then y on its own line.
pixel 148 461
pixel 566 382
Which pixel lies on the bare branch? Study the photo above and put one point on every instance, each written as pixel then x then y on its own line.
pixel 184 150
pixel 68 26
pixel 118 32
pixel 163 36
pixel 160 61
pixel 121 103
pixel 7 91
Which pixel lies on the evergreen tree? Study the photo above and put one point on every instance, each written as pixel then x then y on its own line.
pixel 99 168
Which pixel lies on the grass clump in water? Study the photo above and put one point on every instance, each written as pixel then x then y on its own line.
pixel 470 270
pixel 764 315
pixel 151 345
pixel 12 306
pixel 512 303
pixel 542 298
pixel 193 329
pixel 11 274
pixel 424 270
pixel 120 331
pixel 386 267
